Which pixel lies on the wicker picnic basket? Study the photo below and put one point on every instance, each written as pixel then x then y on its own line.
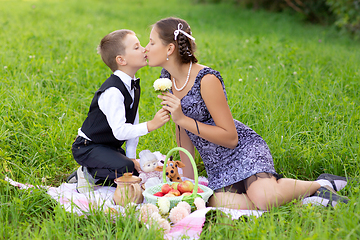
pixel 149 192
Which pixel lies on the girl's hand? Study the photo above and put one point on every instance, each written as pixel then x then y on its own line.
pixel 172 104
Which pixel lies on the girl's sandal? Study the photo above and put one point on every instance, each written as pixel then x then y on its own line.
pixel 337 182
pixel 326 196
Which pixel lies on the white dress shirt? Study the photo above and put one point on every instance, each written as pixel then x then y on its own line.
pixel 115 115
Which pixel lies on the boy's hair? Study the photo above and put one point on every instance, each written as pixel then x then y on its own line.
pixel 112 46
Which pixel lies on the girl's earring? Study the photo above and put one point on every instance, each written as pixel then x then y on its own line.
pixel 167 57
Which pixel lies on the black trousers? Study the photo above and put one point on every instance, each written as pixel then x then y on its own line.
pixel 103 162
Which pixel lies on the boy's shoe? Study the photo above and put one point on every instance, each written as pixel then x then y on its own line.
pixel 72 178
pixel 337 182
pixel 83 185
pixel 325 196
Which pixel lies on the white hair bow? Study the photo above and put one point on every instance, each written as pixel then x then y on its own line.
pixel 179 30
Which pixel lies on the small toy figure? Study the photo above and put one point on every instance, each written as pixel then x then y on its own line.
pixel 149 176
pixel 172 170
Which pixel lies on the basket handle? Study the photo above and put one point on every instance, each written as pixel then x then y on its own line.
pixel 192 162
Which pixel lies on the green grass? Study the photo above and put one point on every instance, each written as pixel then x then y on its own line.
pixel 299 89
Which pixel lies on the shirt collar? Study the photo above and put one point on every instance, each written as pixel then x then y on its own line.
pixel 124 77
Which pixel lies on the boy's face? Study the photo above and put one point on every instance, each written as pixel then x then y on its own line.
pixel 134 56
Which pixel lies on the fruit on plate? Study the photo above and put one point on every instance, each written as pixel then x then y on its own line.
pixel 199 190
pixel 185 186
pixel 165 188
pixel 159 194
pixel 169 195
pixel 175 192
pixel 174 185
pixel 186 194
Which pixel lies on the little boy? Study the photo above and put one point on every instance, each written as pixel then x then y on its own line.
pixel 113 116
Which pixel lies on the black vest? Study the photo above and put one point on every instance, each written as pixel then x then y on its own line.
pixel 96 126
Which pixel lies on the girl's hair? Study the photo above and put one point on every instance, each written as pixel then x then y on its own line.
pixel 111 46
pixel 185 46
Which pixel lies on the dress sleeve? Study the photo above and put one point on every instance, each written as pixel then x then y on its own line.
pixel 164 73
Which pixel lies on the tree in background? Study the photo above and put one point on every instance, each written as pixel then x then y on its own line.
pixel 344 14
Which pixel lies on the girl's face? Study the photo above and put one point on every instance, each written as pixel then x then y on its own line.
pixel 156 51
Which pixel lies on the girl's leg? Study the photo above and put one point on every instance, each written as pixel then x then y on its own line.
pixel 231 200
pixel 269 192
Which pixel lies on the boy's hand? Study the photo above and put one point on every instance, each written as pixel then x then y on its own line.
pixel 160 118
pixel 136 165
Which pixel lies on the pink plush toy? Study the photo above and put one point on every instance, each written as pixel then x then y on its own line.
pixel 148 163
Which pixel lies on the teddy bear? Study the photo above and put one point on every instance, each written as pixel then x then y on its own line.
pixel 149 176
pixel 172 170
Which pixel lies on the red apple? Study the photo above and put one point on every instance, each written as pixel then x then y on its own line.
pixel 159 194
pixel 169 195
pixel 186 194
pixel 165 188
pixel 185 186
pixel 199 190
pixel 175 192
pixel 174 185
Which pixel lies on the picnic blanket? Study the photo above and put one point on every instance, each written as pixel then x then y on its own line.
pixel 102 198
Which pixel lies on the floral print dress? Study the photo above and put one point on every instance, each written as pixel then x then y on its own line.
pixel 224 166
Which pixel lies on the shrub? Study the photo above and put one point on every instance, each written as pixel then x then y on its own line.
pixel 343 13
pixel 313 11
pixel 347 14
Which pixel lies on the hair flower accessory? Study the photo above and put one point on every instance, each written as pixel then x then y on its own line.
pixel 162 84
pixel 179 30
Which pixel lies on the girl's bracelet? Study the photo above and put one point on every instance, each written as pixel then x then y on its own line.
pixel 197 127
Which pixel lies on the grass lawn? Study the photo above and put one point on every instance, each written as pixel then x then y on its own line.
pixel 294 83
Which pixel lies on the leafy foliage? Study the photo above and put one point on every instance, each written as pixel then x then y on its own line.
pixel 344 14
pixel 347 14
